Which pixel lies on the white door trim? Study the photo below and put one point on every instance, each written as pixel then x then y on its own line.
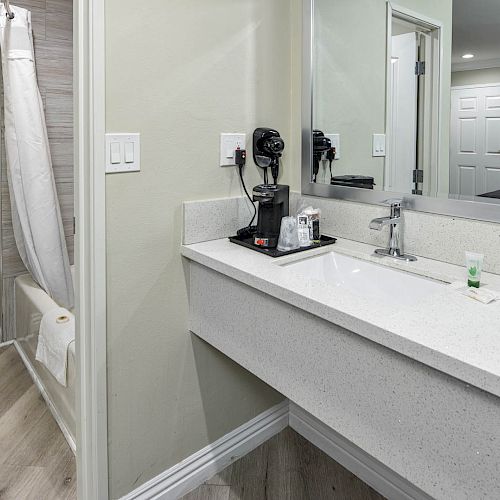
pixel 413 16
pixel 477 86
pixel 435 118
pixel 90 251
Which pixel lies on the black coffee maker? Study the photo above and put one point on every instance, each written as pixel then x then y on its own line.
pixel 273 198
pixel 273 202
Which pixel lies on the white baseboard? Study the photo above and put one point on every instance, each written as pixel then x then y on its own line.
pixel 41 387
pixel 6 344
pixel 196 469
pixel 382 479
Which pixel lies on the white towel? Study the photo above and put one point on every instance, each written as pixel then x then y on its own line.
pixel 57 331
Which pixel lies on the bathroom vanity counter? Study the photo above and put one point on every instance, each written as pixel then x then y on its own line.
pixel 411 382
pixel 446 331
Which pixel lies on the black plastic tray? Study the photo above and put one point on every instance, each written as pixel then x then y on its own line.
pixel 273 252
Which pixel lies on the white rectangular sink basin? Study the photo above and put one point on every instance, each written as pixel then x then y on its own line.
pixel 366 279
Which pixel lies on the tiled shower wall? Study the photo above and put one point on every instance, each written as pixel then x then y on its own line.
pixel 52 22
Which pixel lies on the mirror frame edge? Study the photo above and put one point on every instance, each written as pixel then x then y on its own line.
pixel 474 209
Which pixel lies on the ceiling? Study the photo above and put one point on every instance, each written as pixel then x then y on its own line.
pixel 476 30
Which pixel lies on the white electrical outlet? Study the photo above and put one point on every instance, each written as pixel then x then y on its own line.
pixel 335 140
pixel 229 143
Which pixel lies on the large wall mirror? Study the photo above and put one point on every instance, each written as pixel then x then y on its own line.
pixel 403 99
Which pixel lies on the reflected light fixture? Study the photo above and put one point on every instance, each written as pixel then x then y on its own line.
pixel 467 56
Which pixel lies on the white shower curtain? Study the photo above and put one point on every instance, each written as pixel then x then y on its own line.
pixel 36 216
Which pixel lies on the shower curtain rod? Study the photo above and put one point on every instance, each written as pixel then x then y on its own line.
pixel 9 14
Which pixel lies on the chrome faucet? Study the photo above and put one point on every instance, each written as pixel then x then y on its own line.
pixel 396 224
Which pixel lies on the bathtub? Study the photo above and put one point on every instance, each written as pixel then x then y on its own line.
pixel 31 303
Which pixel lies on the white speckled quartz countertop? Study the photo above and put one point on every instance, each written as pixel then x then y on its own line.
pixel 447 331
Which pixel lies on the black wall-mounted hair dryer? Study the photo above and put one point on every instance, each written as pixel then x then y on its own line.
pixel 267 149
pixel 321 144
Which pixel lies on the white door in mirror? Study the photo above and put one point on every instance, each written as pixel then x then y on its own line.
pixel 402 115
pixel 475 141
pixel 123 153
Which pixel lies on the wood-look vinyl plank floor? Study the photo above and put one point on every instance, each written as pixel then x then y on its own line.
pixel 287 467
pixel 36 462
pixel 14 379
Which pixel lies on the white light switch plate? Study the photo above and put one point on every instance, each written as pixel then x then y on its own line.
pixel 378 144
pixel 335 140
pixel 228 144
pixel 123 153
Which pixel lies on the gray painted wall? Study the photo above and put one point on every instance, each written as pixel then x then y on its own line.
pixel 180 74
pixel 475 77
pixel 53 39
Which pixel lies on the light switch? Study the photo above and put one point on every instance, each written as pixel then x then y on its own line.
pixel 115 153
pixel 129 152
pixel 123 153
pixel 378 144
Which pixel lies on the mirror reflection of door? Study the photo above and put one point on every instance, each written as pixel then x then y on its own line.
pixel 413 49
pixel 475 100
pixel 404 97
pixel 475 141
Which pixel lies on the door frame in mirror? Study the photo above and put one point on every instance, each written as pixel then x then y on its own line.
pixel 473 208
pixel 432 113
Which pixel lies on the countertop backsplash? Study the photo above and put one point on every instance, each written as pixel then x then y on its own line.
pixel 433 236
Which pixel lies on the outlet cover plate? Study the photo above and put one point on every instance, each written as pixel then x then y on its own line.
pixel 228 144
pixel 335 139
